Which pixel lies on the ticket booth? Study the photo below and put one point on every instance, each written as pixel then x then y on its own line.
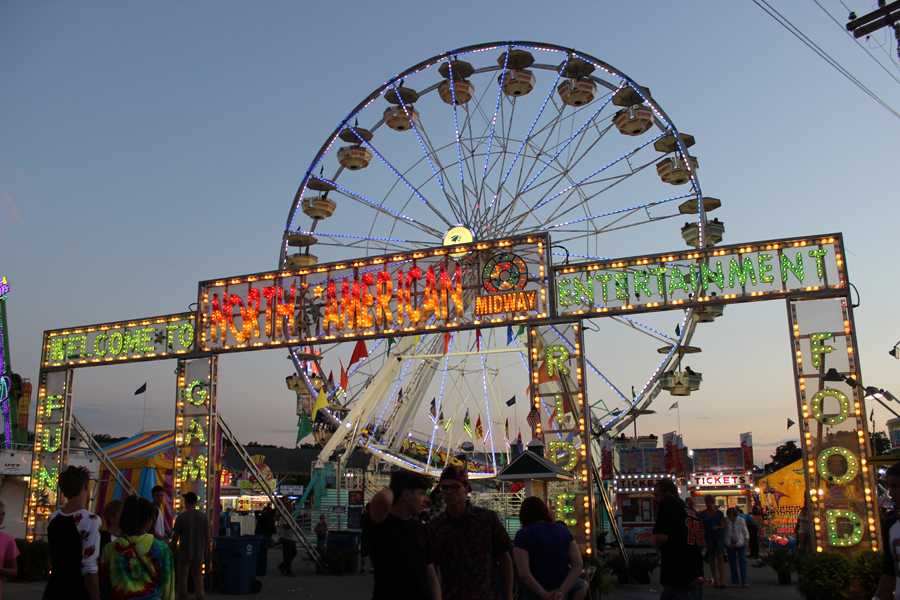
pixel 731 490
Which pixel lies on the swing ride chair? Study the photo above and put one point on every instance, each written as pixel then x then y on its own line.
pixel 476 198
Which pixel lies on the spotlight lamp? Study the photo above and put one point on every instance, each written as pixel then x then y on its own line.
pixel 870 391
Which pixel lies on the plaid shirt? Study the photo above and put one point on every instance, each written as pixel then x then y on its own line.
pixel 466 550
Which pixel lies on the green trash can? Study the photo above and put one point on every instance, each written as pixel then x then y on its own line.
pixel 235 567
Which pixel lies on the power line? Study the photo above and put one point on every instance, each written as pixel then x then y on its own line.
pixel 856 41
pixel 793 30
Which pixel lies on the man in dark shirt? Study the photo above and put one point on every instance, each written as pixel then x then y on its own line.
pixel 469 544
pixel 681 566
pixel 399 545
pixel 190 535
pixel 890 539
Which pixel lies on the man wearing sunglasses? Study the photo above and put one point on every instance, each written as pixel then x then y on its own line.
pixel 470 545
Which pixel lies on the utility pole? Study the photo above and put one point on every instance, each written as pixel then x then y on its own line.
pixel 886 15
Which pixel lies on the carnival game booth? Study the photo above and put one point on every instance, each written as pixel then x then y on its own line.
pixel 639 469
pixel 725 474
pixel 145 460
pixel 781 496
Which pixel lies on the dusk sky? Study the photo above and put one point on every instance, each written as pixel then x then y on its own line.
pixel 147 146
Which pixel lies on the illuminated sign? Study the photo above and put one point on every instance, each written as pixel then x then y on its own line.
pixel 437 289
pixel 793 267
pixel 720 480
pixel 4 287
pixel 833 425
pixel 140 339
pixel 196 430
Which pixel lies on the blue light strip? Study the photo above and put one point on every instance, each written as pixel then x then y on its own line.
pixel 587 256
pixel 354 236
pixel 487 156
pixel 565 144
pixel 424 146
pixel 459 159
pixel 398 174
pixel 487 406
pixel 379 206
pixel 619 211
pixel 595 369
pixel 595 173
pixel 530 131
pixel 440 400
pixel 650 329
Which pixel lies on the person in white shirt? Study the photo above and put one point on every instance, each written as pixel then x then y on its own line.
pixel 737 537
pixel 74 538
pixel 161 528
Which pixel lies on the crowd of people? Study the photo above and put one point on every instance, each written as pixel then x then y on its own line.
pixel 463 552
pixel 133 552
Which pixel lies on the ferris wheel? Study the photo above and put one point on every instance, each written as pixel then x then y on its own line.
pixel 479 143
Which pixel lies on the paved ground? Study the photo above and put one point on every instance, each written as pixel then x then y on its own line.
pixel 309 586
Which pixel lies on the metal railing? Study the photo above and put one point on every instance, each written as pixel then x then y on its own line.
pixel 282 510
pixel 104 458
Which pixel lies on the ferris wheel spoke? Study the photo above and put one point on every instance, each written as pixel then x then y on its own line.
pixel 568 140
pixel 645 329
pixel 459 155
pixel 457 205
pixel 399 175
pixel 607 229
pixel 554 123
pixel 594 174
pixel 362 199
pixel 620 211
pixel 361 242
pixel 588 362
pixel 612 182
pixel 438 174
pixel 534 122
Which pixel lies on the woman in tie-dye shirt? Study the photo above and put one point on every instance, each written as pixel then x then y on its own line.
pixel 137 566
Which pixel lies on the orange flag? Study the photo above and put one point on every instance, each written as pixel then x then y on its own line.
pixel 446 341
pixel 345 377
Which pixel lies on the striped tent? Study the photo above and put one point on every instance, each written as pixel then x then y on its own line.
pixel 145 459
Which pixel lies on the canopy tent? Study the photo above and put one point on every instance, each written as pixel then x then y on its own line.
pixel 145 459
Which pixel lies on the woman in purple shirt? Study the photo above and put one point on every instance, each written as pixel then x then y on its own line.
pixel 547 558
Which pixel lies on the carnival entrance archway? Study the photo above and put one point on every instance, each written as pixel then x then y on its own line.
pixel 495 269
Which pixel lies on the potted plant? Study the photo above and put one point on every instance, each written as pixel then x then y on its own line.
pixel 781 558
pixel 865 571
pixel 824 576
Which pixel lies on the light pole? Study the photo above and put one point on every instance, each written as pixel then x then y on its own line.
pixel 878 394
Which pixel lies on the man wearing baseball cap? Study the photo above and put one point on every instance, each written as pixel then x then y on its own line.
pixel 469 544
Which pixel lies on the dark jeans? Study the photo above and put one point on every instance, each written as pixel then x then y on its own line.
pixel 288 552
pixel 692 592
pixel 737 562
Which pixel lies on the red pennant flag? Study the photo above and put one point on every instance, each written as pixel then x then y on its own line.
pixel 359 352
pixel 331 378
pixel 479 429
pixel 446 341
pixel 478 339
pixel 345 378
